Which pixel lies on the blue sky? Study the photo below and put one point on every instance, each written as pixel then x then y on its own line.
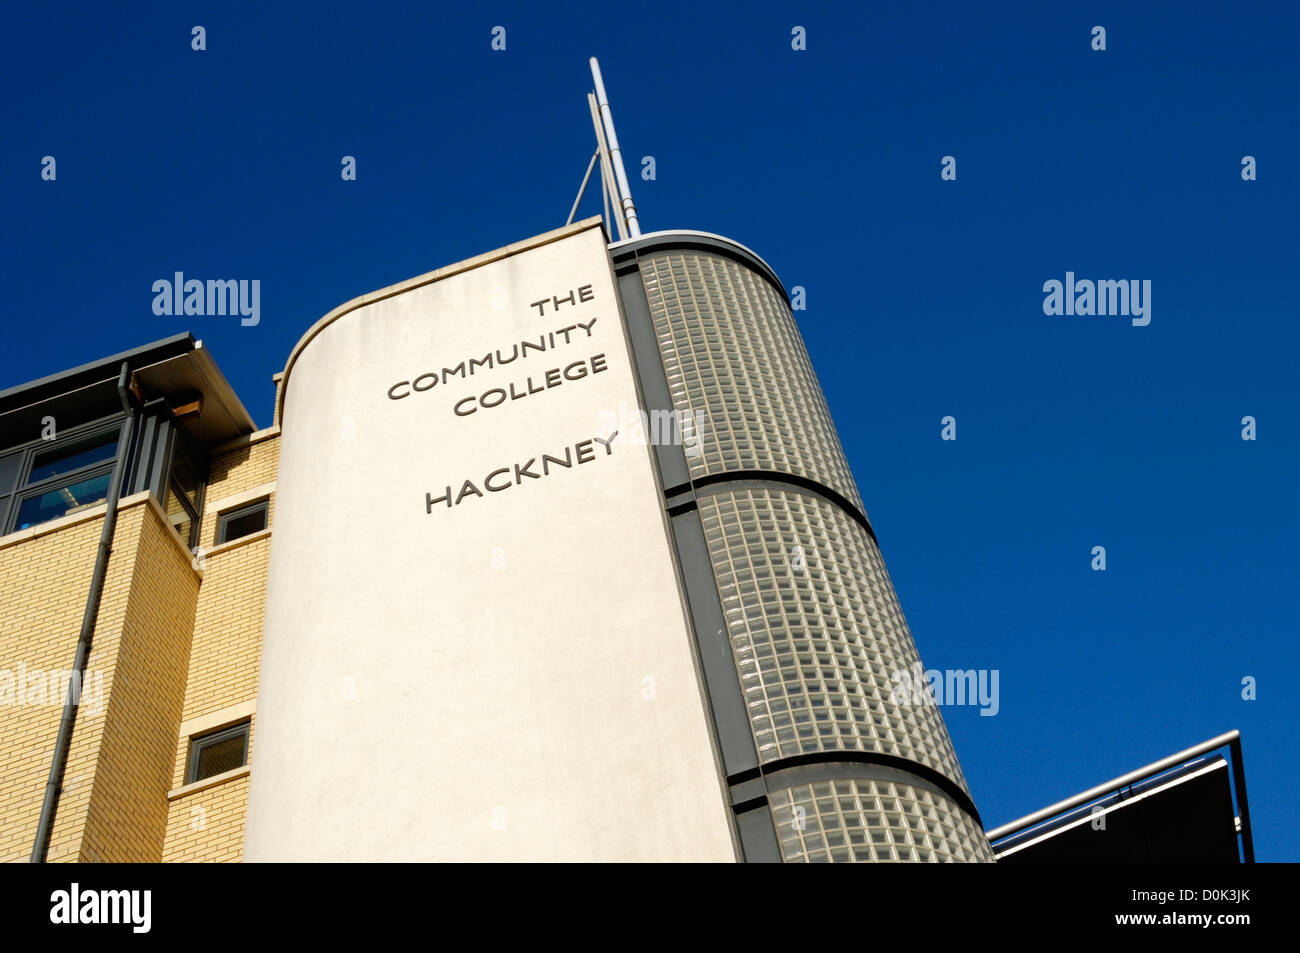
pixel 924 297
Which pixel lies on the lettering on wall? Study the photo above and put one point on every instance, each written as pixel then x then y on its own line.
pixel 481 382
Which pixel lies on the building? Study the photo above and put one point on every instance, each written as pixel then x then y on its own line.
pixel 548 539
pixel 176 638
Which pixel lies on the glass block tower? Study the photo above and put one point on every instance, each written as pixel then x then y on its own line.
pixel 797 624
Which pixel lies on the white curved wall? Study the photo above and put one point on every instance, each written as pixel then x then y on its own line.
pixel 509 678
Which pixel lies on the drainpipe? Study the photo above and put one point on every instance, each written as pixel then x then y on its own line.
pixel 59 764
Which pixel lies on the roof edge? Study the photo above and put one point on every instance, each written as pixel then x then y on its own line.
pixel 92 372
pixel 468 264
pixel 675 237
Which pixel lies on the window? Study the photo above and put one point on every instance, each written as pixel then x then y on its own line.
pixel 182 499
pixel 66 458
pixel 42 480
pixel 179 515
pixel 52 504
pixel 242 522
pixel 69 475
pixel 218 752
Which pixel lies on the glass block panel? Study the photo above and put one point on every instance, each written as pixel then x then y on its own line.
pixel 736 363
pixel 817 631
pixel 829 822
pixel 819 640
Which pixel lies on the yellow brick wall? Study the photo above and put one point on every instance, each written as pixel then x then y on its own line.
pixel 113 805
pixel 83 754
pixel 227 647
pixel 208 825
pixel 168 648
pixel 234 472
pixel 225 656
pixel 127 817
pixel 43 587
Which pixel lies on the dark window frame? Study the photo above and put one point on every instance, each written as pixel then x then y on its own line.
pixel 182 446
pixel 28 494
pixel 199 742
pixel 58 448
pixel 224 519
pixel 192 538
pixel 24 489
pixel 148 461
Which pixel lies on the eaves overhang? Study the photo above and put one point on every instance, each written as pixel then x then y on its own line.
pixel 178 369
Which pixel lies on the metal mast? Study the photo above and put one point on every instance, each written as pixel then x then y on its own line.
pixel 623 193
pixel 613 179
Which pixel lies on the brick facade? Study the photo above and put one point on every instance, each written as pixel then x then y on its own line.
pixel 175 655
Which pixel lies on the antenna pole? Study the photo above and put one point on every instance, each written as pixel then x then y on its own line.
pixel 623 194
pixel 615 225
pixel 604 201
